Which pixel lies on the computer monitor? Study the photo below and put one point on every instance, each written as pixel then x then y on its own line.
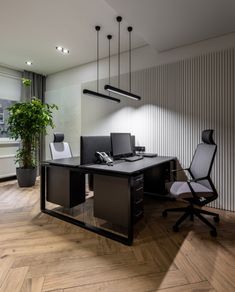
pixel 121 144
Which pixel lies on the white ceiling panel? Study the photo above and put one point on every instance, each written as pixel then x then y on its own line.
pixel 31 29
pixel 168 24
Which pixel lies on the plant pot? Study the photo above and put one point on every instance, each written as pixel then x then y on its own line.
pixel 26 176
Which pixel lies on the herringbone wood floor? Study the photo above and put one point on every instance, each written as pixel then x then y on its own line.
pixel 41 253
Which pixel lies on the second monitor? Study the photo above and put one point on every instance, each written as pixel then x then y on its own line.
pixel 121 145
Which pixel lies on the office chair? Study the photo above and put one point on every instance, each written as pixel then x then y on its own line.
pixel 60 149
pixel 199 190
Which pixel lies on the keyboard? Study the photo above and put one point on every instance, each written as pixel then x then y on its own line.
pixel 133 158
pixel 118 161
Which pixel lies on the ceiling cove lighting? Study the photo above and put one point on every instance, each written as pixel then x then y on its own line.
pixel 97 93
pixel 62 50
pixel 29 63
pixel 116 90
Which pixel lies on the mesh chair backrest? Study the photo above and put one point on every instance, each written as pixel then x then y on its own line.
pixel 58 148
pixel 202 162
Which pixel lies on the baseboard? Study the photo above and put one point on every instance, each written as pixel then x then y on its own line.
pixel 12 177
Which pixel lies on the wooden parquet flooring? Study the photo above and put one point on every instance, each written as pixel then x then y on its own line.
pixel 41 253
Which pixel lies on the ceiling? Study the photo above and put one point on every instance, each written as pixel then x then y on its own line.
pixel 167 24
pixel 31 29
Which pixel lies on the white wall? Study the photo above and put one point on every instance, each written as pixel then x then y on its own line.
pixel 182 95
pixel 10 88
pixel 64 88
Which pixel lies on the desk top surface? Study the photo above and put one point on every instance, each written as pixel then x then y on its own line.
pixel 126 167
pixel 71 162
pixel 121 167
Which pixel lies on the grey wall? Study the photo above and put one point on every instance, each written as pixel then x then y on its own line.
pixel 10 89
pixel 179 101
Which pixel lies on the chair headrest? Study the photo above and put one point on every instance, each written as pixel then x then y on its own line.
pixel 207 136
pixel 58 137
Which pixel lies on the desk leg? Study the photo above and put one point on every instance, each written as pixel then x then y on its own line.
pixel 130 235
pixel 174 166
pixel 43 188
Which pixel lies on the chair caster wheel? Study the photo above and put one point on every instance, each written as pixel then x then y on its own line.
pixel 213 233
pixel 216 219
pixel 164 214
pixel 175 228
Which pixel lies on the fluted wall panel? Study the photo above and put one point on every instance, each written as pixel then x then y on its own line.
pixel 179 101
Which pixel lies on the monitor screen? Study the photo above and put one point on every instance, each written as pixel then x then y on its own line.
pixel 121 144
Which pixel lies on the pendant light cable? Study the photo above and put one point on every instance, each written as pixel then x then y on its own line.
pixel 119 19
pixel 129 30
pixel 109 37
pixel 97 28
pixel 118 90
pixel 96 93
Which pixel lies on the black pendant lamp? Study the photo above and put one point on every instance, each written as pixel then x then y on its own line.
pixel 116 90
pixel 109 37
pixel 97 93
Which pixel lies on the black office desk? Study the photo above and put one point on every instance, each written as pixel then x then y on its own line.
pixel 127 168
pixel 117 189
pixel 70 162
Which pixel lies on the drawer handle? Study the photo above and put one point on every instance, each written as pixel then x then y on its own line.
pixel 139 201
pixel 138 179
pixel 139 213
pixel 141 188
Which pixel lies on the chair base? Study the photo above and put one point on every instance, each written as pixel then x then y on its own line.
pixel 190 211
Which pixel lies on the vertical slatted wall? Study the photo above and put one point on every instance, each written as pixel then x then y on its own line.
pixel 179 101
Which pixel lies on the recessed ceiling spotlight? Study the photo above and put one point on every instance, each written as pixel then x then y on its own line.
pixel 59 48
pixel 62 50
pixel 65 51
pixel 29 63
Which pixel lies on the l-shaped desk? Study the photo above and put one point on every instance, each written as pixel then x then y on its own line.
pixel 118 190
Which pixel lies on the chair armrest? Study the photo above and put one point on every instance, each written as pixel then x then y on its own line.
pixel 196 179
pixel 191 188
pixel 176 170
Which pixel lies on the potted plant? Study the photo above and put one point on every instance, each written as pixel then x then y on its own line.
pixel 27 121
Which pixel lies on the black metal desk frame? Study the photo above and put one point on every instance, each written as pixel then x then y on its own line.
pixel 127 240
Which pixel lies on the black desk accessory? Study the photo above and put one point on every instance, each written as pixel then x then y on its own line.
pixel 141 152
pixel 139 148
pixel 150 155
pixel 133 158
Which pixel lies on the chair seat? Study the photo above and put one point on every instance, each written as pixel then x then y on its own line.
pixel 180 189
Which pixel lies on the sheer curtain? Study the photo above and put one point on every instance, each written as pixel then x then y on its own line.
pixel 37 89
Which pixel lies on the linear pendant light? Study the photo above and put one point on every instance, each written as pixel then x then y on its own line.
pixel 97 93
pixel 116 90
